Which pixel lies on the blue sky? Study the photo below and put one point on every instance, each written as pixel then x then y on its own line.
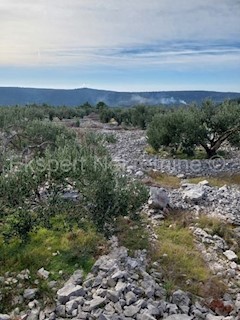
pixel 132 45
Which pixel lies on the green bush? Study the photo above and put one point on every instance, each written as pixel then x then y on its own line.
pixel 110 138
pixel 86 166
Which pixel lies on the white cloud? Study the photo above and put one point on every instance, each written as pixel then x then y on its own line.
pixel 57 32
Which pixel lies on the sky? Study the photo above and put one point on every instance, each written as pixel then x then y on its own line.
pixel 127 45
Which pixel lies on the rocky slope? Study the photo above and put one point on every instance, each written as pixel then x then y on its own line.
pixel 122 287
pixel 125 287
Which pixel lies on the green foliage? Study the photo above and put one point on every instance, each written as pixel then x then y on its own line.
pixel 101 105
pixel 11 116
pixel 106 115
pixel 40 226
pixel 77 123
pixel 139 116
pixel 55 250
pixel 86 167
pixel 110 138
pixel 19 224
pixel 173 129
pixel 51 115
pixel 181 262
pixel 208 126
pixel 133 234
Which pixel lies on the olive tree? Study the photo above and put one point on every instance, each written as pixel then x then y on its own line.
pixel 208 126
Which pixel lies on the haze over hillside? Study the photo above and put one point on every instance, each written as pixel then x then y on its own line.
pixel 57 97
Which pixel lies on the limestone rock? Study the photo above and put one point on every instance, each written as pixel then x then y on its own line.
pixel 158 198
pixel 68 291
pixel 30 294
pixel 230 255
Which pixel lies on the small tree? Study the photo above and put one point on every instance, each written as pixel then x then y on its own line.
pixel 217 124
pixel 172 129
pixel 208 126
pixel 101 105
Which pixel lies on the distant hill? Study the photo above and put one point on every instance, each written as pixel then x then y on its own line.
pixel 57 97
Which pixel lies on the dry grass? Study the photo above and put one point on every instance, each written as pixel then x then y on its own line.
pixel 163 180
pixel 167 181
pixel 216 226
pixel 218 181
pixel 166 153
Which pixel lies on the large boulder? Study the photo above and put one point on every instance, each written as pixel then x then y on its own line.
pixel 158 198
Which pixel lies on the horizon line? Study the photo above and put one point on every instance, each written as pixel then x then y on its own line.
pixel 111 90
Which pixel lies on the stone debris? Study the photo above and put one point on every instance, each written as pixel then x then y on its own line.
pixel 126 291
pixel 123 287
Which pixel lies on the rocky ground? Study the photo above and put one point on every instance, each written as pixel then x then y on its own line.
pixel 123 287
pixel 130 152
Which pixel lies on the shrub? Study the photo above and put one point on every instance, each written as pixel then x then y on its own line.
pixel 104 192
pixel 110 138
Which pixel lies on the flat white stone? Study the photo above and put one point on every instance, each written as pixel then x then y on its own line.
pixel 230 255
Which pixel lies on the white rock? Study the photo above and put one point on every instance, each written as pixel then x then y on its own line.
pixel 96 302
pixel 131 311
pixel 70 306
pixel 203 183
pixel 230 255
pixel 130 298
pixel 181 176
pixel 68 291
pixel 193 193
pixel 233 265
pixel 139 174
pixel 113 295
pixel 42 273
pixel 29 293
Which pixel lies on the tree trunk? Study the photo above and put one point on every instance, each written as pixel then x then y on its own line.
pixel 215 145
pixel 211 152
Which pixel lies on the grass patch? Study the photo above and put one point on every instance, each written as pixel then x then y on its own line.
pixel 167 153
pixel 218 181
pixel 216 226
pixel 53 250
pixel 149 150
pixel 132 234
pixel 110 138
pixel 182 264
pixel 164 180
